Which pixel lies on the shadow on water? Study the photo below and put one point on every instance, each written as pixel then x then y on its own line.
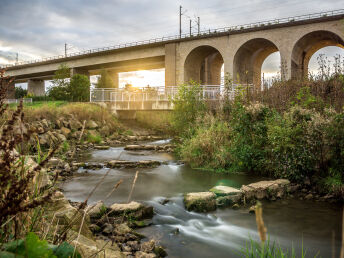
pixel 217 234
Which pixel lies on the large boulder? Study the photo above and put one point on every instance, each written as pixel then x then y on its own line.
pixel 221 190
pixel 200 202
pixel 136 210
pixel 96 210
pixel 266 189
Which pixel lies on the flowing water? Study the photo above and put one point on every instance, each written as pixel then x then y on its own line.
pixel 222 233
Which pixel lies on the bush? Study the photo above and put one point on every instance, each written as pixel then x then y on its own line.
pixel 79 88
pixel 248 136
pixel 94 138
pixel 19 93
pixel 188 106
pixel 209 147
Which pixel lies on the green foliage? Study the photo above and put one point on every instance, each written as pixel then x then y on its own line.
pixel 306 99
pixel 19 92
pixel 104 80
pixel 254 249
pixel 79 88
pixel 94 138
pixel 249 136
pixel 188 106
pixel 32 247
pixel 75 89
pixel 209 147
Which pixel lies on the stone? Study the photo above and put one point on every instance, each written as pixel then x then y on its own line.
pixel 221 190
pixel 87 247
pixel 226 201
pixel 108 229
pixel 122 229
pixel 67 167
pixel 160 251
pixel 75 124
pixel 61 137
pixel 309 196
pixel 252 209
pixel 65 131
pixel 101 147
pixel 200 202
pixel 118 208
pixel 134 245
pixel 235 206
pixel 265 189
pixel 91 124
pixel 96 210
pixel 141 254
pixel 148 247
pixel 55 161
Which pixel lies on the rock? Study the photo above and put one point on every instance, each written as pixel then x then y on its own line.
pixel 110 249
pixel 119 208
pixel 229 200
pixel 309 196
pixel 134 245
pixel 84 245
pixel 75 124
pixel 96 210
pixel 252 209
pixel 265 189
pixel 122 229
pixel 222 190
pixel 91 124
pixel 65 131
pixel 61 137
pixel 148 247
pixel 78 164
pixel 200 202
pixel 95 228
pixel 101 147
pixel 108 229
pixel 67 168
pixel 141 254
pixel 235 206
pixel 132 164
pixel 160 251
pixel 55 161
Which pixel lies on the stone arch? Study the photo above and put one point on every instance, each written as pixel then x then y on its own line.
pixel 249 58
pixel 203 64
pixel 306 46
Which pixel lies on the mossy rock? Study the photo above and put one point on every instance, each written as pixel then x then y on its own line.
pixel 200 202
pixel 221 190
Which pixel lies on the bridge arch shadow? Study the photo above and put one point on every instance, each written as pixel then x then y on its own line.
pixel 249 58
pixel 307 46
pixel 203 64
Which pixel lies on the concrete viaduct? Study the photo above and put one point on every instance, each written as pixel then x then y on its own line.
pixel 241 49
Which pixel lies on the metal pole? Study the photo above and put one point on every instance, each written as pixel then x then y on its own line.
pixel 199 24
pixel 180 21
pixel 190 27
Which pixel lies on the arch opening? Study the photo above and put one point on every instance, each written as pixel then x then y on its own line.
pixel 204 65
pixel 270 71
pixel 249 59
pixel 307 46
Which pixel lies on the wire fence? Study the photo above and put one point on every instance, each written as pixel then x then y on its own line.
pixel 203 33
pixel 11 101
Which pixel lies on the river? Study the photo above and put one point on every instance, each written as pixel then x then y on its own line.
pixel 290 222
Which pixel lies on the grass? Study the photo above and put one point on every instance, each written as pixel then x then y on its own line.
pixel 156 120
pixel 94 138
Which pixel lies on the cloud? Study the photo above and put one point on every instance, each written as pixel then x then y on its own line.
pixel 40 28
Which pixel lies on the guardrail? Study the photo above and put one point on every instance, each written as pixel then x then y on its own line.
pixel 25 100
pixel 188 35
pixel 162 93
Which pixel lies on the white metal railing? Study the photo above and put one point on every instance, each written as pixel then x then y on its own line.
pixel 25 100
pixel 190 35
pixel 162 93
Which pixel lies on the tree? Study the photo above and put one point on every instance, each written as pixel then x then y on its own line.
pixel 59 90
pixel 79 88
pixel 20 93
pixel 104 80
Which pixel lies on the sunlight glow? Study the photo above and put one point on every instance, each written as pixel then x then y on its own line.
pixel 153 78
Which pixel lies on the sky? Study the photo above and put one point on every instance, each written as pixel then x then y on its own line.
pixel 39 28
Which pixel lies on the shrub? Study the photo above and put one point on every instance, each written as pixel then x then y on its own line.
pixel 248 136
pixel 209 147
pixel 79 88
pixel 188 106
pixel 19 93
pixel 94 138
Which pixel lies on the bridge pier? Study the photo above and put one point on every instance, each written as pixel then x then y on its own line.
pixel 36 87
pixel 74 71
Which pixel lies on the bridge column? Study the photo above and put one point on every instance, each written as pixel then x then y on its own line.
pixel 115 78
pixel 36 87
pixel 170 65
pixel 286 63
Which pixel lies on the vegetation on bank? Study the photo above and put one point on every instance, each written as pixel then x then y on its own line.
pixel 300 138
